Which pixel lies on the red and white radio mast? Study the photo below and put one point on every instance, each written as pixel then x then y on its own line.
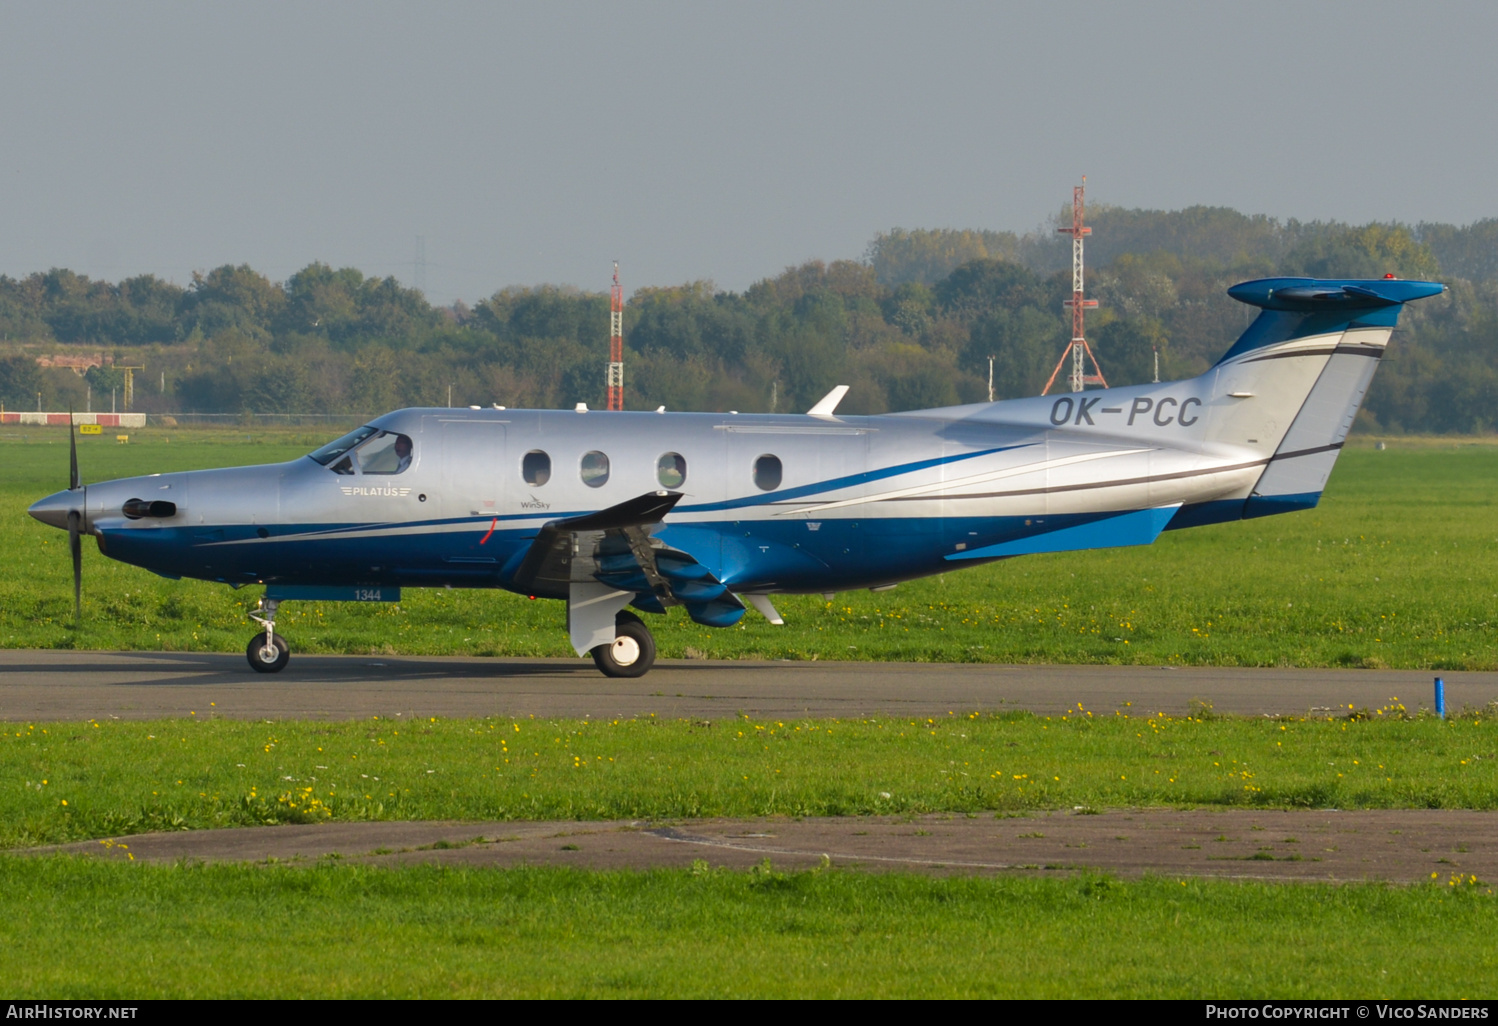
pixel 1078 350
pixel 616 343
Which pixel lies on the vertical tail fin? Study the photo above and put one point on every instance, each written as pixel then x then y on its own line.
pixel 1336 331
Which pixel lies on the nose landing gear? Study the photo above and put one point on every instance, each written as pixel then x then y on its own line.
pixel 267 652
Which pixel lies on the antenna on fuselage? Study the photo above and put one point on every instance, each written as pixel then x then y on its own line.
pixel 1077 348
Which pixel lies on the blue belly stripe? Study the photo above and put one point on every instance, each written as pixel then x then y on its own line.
pixel 1140 527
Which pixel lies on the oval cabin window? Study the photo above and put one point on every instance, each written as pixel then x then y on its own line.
pixel 767 472
pixel 671 470
pixel 594 469
pixel 535 468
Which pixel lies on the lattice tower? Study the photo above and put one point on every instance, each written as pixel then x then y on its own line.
pixel 1078 349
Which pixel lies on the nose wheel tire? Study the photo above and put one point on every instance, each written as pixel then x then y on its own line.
pixel 269 657
pixel 632 651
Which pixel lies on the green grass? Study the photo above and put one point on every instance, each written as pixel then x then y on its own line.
pixel 336 930
pixel 1398 567
pixel 69 781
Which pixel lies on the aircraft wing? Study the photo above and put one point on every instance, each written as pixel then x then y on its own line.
pixel 614 548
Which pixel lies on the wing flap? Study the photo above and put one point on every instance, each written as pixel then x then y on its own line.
pixel 613 548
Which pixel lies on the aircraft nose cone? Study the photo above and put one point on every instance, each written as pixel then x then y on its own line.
pixel 53 510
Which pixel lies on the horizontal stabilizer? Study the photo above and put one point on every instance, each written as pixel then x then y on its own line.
pixel 1139 527
pixel 1309 295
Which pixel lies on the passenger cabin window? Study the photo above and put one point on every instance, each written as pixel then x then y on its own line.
pixel 767 472
pixel 594 469
pixel 386 453
pixel 535 468
pixel 671 470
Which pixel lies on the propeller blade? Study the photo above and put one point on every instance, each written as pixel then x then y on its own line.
pixel 75 546
pixel 73 481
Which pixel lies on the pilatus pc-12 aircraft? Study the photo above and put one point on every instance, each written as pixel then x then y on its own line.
pixel 709 511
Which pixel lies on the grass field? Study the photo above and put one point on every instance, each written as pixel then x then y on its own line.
pixel 1398 567
pixel 331 928
pixel 69 781
pixel 335 930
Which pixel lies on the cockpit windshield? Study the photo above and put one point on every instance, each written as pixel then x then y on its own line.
pixel 366 451
pixel 330 452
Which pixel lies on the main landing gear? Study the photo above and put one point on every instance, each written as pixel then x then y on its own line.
pixel 267 651
pixel 630 654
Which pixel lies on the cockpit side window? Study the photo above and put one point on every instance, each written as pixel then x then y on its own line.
pixel 386 453
pixel 330 452
pixel 366 451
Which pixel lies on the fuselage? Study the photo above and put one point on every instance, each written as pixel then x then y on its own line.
pixel 790 503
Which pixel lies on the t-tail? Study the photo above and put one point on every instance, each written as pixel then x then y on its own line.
pixel 1297 376
pixel 1256 434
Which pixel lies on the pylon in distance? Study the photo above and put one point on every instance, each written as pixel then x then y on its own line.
pixel 1078 349
pixel 616 344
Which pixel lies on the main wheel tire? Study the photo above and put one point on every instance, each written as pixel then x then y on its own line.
pixel 270 658
pixel 632 652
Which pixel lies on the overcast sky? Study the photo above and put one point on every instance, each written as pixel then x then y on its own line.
pixel 538 142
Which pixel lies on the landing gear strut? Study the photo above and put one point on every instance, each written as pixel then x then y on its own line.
pixel 268 651
pixel 632 651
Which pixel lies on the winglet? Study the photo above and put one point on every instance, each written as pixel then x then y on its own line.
pixel 828 402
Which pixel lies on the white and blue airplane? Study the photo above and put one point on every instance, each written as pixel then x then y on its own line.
pixel 604 510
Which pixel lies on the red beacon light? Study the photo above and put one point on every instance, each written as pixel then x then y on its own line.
pixel 1390 275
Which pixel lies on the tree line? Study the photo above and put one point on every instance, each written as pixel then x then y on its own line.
pixel 912 324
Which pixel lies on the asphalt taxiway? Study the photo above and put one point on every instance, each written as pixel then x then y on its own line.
pixel 1402 845
pixel 65 685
